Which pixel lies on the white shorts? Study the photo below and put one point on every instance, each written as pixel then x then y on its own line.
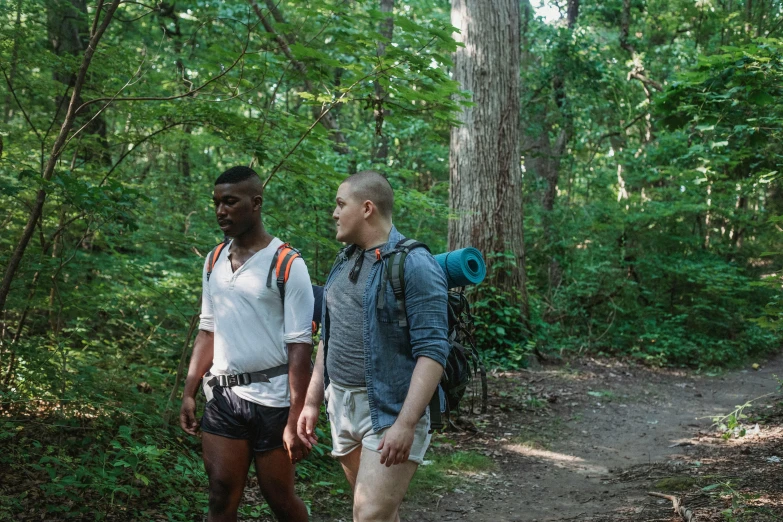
pixel 349 418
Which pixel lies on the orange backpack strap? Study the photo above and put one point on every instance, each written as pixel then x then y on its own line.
pixel 281 266
pixel 213 257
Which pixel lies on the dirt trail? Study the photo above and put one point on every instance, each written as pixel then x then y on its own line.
pixel 590 453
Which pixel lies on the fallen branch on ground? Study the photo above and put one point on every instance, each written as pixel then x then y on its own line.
pixel 686 514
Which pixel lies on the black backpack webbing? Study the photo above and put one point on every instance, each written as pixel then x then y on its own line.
pixel 396 275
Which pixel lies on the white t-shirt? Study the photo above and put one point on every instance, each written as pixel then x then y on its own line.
pixel 250 327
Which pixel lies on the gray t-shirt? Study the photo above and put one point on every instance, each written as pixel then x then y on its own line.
pixel 344 301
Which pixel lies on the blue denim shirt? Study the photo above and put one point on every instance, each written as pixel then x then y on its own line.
pixel 390 351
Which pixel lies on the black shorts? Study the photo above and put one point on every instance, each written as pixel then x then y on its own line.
pixel 228 415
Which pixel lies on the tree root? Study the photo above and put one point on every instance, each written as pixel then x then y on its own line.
pixel 686 514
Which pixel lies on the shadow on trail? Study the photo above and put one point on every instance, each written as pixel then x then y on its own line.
pixel 611 432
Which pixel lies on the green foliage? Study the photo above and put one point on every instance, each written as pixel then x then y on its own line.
pixel 90 464
pixel 499 331
pixel 742 506
pixel 730 104
pixel 104 461
pixel 661 243
pixel 676 265
pixel 100 306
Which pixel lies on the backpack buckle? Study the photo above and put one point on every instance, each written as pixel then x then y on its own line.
pixel 232 380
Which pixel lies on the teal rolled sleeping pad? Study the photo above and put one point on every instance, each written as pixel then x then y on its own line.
pixel 462 267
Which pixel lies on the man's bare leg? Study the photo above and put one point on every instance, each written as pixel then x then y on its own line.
pixel 378 490
pixel 227 462
pixel 350 464
pixel 276 478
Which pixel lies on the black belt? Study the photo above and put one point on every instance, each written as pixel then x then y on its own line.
pixel 243 379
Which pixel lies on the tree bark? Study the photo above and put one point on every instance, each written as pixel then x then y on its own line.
pixel 381 152
pixel 14 63
pixel 69 34
pixel 484 155
pixel 57 150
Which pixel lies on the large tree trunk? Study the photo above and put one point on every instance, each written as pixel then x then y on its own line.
pixel 484 158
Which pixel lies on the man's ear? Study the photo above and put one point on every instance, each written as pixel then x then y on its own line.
pixel 258 202
pixel 368 207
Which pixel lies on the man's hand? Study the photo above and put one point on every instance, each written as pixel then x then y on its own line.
pixel 200 362
pixel 294 445
pixel 187 416
pixel 395 447
pixel 305 428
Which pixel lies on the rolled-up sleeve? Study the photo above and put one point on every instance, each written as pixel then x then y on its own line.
pixel 298 305
pixel 206 319
pixel 426 305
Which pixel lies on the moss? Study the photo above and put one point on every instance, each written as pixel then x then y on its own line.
pixel 681 483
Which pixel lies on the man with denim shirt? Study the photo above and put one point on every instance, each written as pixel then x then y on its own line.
pixel 377 376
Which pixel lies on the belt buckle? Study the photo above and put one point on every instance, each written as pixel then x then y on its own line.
pixel 232 380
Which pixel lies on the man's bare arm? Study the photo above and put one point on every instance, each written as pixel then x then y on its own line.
pixel 200 363
pixel 299 356
pixel 315 396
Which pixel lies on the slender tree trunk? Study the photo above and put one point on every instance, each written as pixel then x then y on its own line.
pixel 57 244
pixel 484 156
pixel 381 152
pixel 544 159
pixel 68 28
pixel 14 61
pixel 57 150
pixel 184 153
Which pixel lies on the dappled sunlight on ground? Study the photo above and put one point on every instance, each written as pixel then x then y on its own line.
pixel 588 439
pixel 560 460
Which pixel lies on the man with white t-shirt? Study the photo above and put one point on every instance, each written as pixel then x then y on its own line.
pixel 253 349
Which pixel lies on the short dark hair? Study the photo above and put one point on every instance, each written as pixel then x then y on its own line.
pixel 236 175
pixel 372 185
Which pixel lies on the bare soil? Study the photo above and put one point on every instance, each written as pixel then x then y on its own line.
pixel 588 439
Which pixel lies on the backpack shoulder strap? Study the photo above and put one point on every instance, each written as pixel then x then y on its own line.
pixel 281 267
pixel 395 273
pixel 213 256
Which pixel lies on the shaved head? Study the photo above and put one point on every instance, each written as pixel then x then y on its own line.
pixel 372 185
pixel 244 175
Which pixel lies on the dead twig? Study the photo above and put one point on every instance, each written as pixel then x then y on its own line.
pixel 686 514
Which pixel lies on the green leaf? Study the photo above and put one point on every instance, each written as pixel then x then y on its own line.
pixel 760 98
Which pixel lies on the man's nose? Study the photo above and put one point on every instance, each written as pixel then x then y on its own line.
pixel 220 210
pixel 336 214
